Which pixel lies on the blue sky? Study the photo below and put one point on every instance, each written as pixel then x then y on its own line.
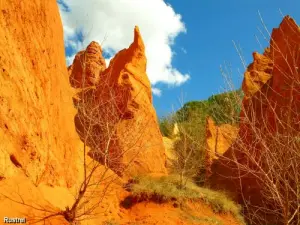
pixel 186 41
pixel 211 26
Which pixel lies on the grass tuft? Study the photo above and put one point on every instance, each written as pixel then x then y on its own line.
pixel 168 188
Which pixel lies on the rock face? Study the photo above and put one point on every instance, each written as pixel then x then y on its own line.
pixel 89 62
pixel 39 144
pixel 218 141
pixel 123 124
pixel 219 138
pixel 269 121
pixel 36 127
pixel 257 74
pixel 39 147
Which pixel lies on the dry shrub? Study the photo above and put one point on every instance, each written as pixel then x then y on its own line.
pixel 263 165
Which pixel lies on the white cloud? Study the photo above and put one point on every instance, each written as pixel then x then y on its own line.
pixel 111 24
pixel 156 91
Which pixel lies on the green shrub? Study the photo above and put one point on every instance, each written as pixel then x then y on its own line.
pixel 189 150
pixel 164 188
pixel 191 110
pixel 225 107
pixel 190 147
pixel 166 125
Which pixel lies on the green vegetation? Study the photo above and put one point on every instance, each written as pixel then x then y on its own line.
pixel 190 146
pixel 168 188
pixel 166 125
pixel 188 165
pixel 163 189
pixel 189 149
pixel 223 108
pixel 226 107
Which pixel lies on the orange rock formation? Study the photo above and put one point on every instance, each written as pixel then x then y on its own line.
pixel 122 93
pixel 38 138
pixel 89 62
pixel 39 151
pixel 270 109
pixel 218 141
pixel 219 138
pixel 36 127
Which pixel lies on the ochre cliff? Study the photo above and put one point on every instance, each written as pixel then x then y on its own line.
pixel 39 144
pixel 219 138
pixel 41 153
pixel 128 136
pixel 269 125
pixel 89 62
pixel 218 141
pixel 36 111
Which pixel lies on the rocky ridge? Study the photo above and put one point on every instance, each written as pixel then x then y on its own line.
pixel 122 95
